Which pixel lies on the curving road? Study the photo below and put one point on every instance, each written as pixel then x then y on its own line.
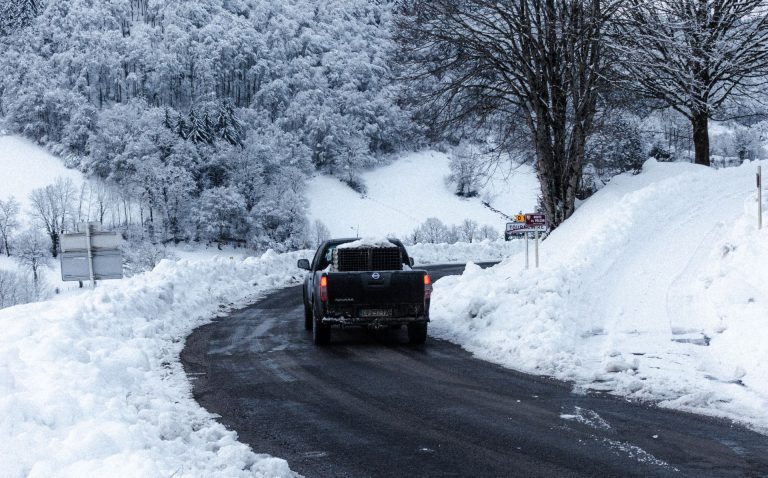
pixel 372 405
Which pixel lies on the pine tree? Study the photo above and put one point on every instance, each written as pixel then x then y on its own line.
pixel 228 127
pixel 208 129
pixel 167 119
pixel 181 128
pixel 196 132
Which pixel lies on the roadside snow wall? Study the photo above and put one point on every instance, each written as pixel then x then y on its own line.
pixel 655 289
pixel 92 385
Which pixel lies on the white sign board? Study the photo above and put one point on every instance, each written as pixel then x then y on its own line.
pixel 521 228
pixel 106 265
pixel 91 255
pixel 99 240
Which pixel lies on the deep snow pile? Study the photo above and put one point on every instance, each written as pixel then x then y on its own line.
pixel 91 385
pixel 631 290
pixel 463 252
pixel 405 193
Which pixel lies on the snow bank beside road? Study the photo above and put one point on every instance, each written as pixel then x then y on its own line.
pixel 734 289
pixel 463 252
pixel 91 385
pixel 631 290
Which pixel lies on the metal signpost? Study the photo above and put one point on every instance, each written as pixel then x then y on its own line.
pixel 759 198
pixel 537 222
pixel 91 255
pixel 525 224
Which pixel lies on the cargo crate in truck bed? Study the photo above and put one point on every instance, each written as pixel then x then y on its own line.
pixel 367 259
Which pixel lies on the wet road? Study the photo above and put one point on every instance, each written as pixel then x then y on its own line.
pixel 372 405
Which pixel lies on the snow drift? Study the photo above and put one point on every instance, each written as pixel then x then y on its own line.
pixel 655 289
pixel 91 385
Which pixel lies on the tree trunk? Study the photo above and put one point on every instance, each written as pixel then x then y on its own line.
pixel 55 245
pixel 700 123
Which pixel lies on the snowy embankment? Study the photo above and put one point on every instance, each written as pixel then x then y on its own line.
pixel 463 252
pixel 91 385
pixel 655 289
pixel 403 194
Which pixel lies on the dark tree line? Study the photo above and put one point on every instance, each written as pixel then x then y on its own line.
pixel 227 127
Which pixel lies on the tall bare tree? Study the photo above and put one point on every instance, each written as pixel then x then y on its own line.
pixel 532 61
pixel 53 206
pixel 33 252
pixel 694 55
pixel 9 222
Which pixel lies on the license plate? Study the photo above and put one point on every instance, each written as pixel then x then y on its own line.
pixel 375 313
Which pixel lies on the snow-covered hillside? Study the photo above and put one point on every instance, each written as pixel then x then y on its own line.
pixel 655 289
pixel 405 193
pixel 25 166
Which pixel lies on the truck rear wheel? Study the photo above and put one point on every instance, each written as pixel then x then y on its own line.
pixel 307 317
pixel 417 333
pixel 321 333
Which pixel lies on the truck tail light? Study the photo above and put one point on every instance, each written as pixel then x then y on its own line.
pixel 427 287
pixel 324 289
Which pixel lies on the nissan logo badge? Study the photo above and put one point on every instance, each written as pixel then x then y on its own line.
pixel 375 275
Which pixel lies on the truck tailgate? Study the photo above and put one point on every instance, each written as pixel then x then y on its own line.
pixel 375 289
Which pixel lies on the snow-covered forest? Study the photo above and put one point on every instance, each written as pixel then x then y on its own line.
pixel 206 115
pixel 202 121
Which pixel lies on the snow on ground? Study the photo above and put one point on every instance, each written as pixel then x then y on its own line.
pixel 631 290
pixel 403 194
pixel 91 385
pixel 26 166
pixel 462 252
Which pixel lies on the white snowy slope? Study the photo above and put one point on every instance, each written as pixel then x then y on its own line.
pixel 91 385
pixel 403 194
pixel 631 290
pixel 25 166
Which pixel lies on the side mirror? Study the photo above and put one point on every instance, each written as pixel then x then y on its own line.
pixel 410 259
pixel 303 264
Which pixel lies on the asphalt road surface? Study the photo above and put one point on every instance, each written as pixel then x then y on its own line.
pixel 372 405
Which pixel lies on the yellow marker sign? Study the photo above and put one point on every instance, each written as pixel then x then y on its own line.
pixel 520 218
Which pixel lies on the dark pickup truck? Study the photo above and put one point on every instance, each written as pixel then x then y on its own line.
pixel 365 283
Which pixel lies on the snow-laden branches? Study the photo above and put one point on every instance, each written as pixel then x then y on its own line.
pixel 693 55
pixel 539 60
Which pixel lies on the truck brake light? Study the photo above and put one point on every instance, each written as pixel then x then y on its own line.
pixel 427 287
pixel 324 289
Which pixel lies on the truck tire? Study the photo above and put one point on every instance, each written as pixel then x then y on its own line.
pixel 321 333
pixel 417 333
pixel 307 317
